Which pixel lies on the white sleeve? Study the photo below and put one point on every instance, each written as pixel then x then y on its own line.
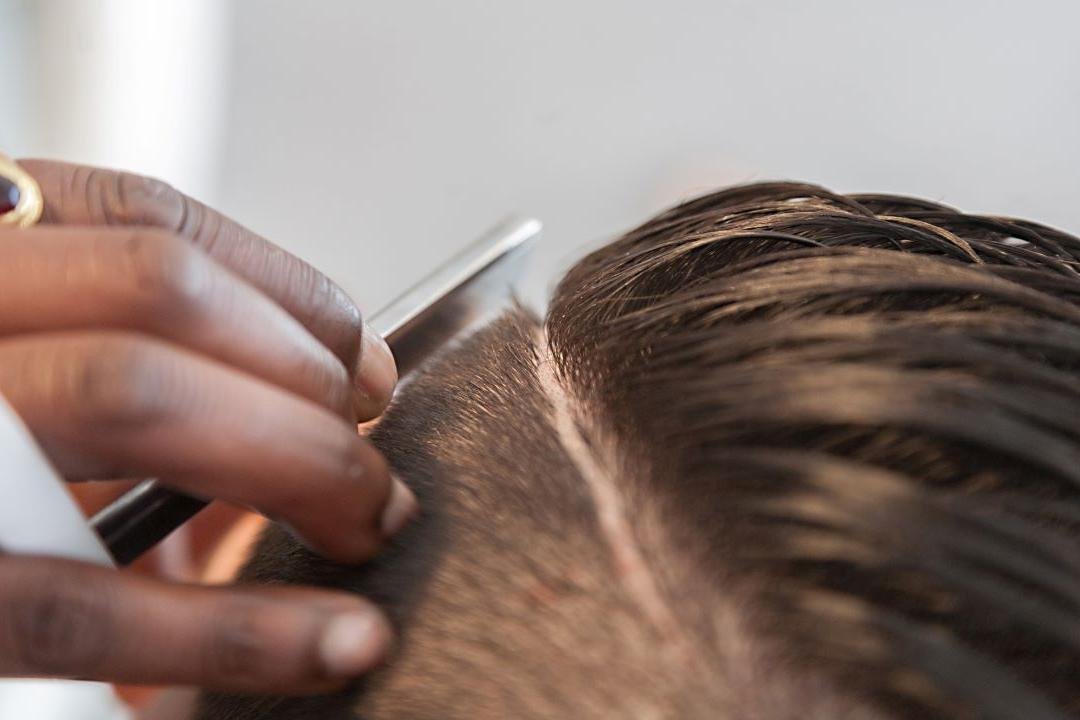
pixel 38 515
pixel 59 700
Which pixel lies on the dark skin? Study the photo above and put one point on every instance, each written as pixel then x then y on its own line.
pixel 143 334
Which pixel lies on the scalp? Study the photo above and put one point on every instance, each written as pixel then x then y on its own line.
pixel 776 453
pixel 505 583
pixel 525 580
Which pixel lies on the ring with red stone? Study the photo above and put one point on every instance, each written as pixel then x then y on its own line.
pixel 20 197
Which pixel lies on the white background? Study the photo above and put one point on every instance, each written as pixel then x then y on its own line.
pixel 375 137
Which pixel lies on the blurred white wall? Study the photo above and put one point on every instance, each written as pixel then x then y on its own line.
pixel 14 44
pixel 138 84
pixel 409 126
pixel 374 137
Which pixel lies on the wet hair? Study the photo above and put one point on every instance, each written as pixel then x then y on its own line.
pixel 776 453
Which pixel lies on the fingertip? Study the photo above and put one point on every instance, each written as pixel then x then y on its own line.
pixel 353 643
pixel 352 546
pixel 376 375
pixel 401 507
pixel 361 507
pixel 292 641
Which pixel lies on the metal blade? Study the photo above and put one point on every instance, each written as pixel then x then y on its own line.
pixel 460 295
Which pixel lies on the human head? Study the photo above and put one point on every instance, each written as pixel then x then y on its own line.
pixel 776 453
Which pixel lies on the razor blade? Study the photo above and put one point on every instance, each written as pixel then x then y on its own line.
pixel 458 297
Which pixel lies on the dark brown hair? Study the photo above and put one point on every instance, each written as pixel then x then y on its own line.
pixel 776 453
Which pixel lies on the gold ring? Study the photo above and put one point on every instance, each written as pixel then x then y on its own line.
pixel 20 197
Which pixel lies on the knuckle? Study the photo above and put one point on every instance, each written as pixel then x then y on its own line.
pixel 325 380
pixel 145 201
pixel 120 381
pixel 171 277
pixel 341 324
pixel 319 375
pixel 59 627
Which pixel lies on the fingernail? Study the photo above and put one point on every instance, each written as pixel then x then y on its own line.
pixel 353 643
pixel 376 374
pixel 400 508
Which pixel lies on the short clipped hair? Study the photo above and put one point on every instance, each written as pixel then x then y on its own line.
pixel 851 422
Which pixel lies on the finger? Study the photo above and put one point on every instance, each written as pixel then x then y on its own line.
pixel 115 404
pixel 153 282
pixel 60 618
pixel 77 195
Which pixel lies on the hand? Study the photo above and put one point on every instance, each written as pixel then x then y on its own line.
pixel 144 334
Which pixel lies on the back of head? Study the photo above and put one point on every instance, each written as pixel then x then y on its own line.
pixel 777 453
